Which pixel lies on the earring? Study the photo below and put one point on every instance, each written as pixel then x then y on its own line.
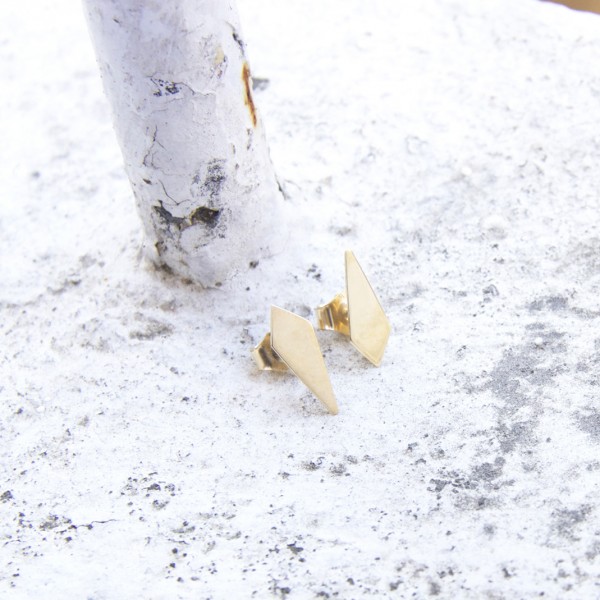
pixel 292 344
pixel 357 314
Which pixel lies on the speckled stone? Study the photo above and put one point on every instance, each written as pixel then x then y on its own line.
pixel 454 147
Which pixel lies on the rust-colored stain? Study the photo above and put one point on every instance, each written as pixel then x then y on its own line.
pixel 248 101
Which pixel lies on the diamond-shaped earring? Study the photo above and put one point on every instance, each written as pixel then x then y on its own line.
pixel 292 344
pixel 357 313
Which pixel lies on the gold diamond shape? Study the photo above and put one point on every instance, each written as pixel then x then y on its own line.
pixel 369 327
pixel 295 341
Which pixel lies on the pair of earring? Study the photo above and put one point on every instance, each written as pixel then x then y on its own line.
pixel 292 343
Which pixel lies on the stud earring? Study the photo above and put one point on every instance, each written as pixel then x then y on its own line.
pixel 292 344
pixel 357 313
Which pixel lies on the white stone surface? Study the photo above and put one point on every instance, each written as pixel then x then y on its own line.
pixel 453 146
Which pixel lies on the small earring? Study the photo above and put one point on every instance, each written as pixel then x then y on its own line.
pixel 357 314
pixel 292 343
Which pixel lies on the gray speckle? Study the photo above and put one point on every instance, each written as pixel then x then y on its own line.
pixel 151 329
pixel 54 521
pixel 434 588
pixel 593 552
pixel 339 469
pixel 518 434
pixel 590 422
pixel 488 471
pixel 313 465
pixel 438 485
pixel 294 548
pixel 491 290
pixel 208 186
pixel 518 380
pixel 260 84
pixel 560 304
pixel 522 365
pixel 566 521
pixel 551 303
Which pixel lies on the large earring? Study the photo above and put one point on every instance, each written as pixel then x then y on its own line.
pixel 292 344
pixel 357 313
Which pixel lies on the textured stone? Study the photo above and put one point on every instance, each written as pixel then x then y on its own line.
pixel 453 146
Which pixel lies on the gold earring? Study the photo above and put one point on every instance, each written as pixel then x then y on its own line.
pixel 357 314
pixel 292 344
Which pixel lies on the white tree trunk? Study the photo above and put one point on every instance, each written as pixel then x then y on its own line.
pixel 194 148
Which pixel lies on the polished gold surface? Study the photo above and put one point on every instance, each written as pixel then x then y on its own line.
pixel 369 327
pixel 357 314
pixel 334 315
pixel 295 341
pixel 266 358
pixel 292 342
